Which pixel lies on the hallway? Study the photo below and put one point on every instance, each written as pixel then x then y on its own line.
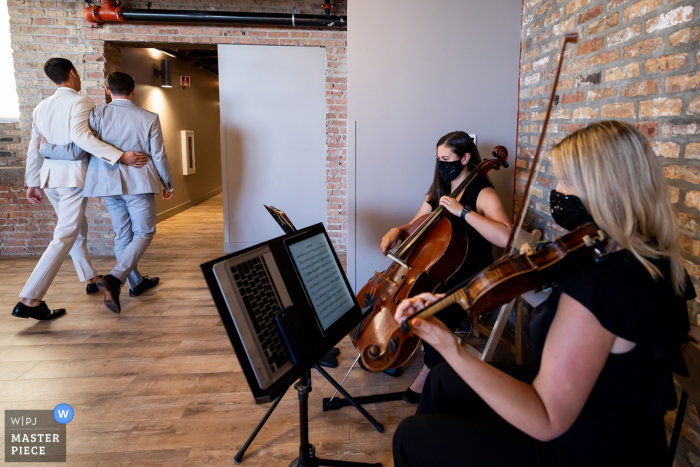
pixel 159 385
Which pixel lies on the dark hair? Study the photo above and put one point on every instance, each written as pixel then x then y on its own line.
pixel 58 69
pixel 120 84
pixel 460 143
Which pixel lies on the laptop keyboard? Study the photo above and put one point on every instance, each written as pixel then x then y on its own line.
pixel 262 302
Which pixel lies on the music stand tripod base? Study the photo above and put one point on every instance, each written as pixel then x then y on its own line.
pixel 307 451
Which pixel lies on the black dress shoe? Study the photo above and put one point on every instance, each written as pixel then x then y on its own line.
pixel 111 287
pixel 41 312
pixel 92 289
pixel 411 397
pixel 146 283
pixel 329 361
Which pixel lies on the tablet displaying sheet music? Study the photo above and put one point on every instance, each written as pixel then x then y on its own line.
pixel 322 278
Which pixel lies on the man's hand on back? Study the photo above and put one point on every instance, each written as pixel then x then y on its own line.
pixel 43 140
pixel 134 159
pixel 34 194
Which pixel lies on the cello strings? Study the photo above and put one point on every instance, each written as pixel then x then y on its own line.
pixel 426 223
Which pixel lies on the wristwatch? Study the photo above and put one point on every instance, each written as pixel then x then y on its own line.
pixel 465 210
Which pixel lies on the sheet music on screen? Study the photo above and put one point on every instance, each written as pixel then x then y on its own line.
pixel 322 278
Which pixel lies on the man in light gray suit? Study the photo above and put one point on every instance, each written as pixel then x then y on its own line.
pixel 129 192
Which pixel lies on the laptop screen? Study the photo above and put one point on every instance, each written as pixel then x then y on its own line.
pixel 322 278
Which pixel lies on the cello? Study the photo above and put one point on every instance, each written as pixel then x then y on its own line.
pixel 511 276
pixel 431 252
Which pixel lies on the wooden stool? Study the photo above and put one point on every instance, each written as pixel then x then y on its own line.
pixel 523 238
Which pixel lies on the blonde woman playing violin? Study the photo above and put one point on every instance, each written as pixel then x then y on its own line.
pixel 605 340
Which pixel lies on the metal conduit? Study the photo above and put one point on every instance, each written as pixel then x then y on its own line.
pixel 272 19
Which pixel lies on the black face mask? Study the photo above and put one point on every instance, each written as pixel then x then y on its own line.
pixel 449 170
pixel 568 210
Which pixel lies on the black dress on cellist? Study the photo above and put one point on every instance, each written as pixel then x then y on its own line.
pixel 621 422
pixel 479 256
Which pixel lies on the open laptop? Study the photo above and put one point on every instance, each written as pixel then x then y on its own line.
pixel 251 286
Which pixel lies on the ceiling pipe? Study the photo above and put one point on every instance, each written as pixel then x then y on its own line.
pixel 114 11
pixel 189 60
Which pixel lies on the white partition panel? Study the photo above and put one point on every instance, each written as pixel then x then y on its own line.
pixel 274 147
pixel 416 71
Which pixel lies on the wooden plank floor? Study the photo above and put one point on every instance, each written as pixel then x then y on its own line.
pixel 159 384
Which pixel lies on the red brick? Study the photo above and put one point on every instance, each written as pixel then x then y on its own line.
pixel 666 63
pixel 573 97
pixel 598 94
pixel 624 35
pixel 574 67
pixel 660 107
pixel 593 45
pixel 600 25
pixel 642 88
pixel 693 106
pixel 624 110
pixel 604 57
pixel 643 47
pixel 669 19
pixel 647 128
pixel 588 15
pixel 641 8
pixel 682 83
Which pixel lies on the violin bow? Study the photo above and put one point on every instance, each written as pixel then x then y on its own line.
pixel 525 201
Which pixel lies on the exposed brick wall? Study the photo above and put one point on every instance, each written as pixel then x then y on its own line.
pixel 635 61
pixel 41 30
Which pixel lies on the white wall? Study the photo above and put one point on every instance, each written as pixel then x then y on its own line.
pixel 9 100
pixel 273 121
pixel 416 71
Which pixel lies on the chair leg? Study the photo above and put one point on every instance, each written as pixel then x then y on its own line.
pixel 519 332
pixel 680 415
pixel 497 331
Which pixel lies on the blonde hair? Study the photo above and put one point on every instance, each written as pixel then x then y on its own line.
pixel 613 169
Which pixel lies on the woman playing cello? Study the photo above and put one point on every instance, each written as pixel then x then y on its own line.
pixel 606 338
pixel 478 213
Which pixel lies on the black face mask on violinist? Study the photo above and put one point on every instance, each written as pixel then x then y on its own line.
pixel 449 170
pixel 568 210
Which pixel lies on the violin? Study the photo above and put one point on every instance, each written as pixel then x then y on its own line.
pixel 431 252
pixel 512 275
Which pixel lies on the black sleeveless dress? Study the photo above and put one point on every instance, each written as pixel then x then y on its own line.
pixel 621 423
pixel 622 419
pixel 479 256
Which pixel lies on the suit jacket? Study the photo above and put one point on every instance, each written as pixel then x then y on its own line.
pixel 130 128
pixel 63 118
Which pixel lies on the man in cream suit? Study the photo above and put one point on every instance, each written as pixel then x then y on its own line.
pixel 129 192
pixel 62 118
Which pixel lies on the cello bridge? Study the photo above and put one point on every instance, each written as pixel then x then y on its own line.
pixel 386 278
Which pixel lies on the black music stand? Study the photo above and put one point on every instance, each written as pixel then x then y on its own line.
pixel 331 403
pixel 303 387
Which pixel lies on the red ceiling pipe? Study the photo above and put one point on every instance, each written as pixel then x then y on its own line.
pixel 110 10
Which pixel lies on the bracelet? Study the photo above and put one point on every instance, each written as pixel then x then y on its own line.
pixel 465 210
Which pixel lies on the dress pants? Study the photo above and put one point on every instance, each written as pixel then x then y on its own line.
pixel 134 224
pixel 455 427
pixel 70 235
